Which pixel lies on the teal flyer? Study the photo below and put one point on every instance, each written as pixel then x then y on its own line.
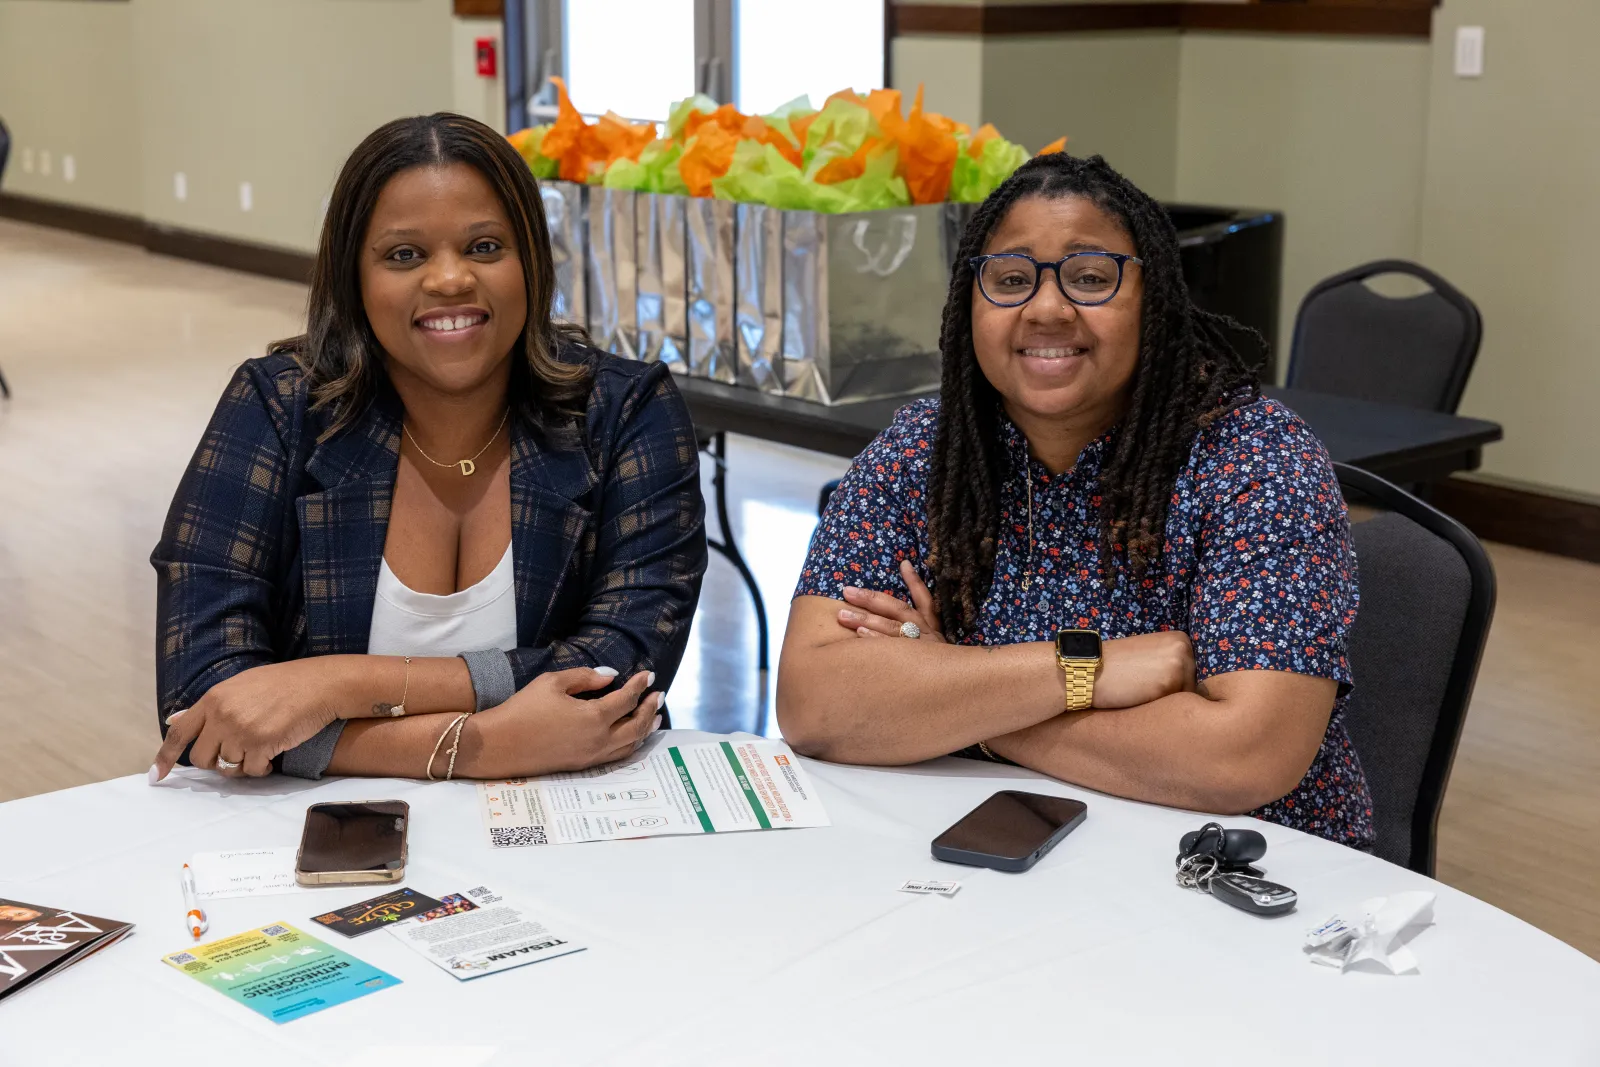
pixel 280 972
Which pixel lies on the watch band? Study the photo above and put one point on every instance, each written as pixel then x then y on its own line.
pixel 1080 684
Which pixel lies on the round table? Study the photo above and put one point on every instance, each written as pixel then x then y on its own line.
pixel 789 947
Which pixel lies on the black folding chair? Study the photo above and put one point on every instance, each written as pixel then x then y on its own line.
pixel 1427 598
pixel 1415 351
pixel 5 152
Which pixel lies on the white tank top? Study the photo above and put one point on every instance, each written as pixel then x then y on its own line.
pixel 408 623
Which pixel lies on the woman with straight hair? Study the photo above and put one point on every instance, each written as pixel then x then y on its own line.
pixel 1100 553
pixel 437 535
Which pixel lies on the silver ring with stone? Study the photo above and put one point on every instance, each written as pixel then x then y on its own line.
pixel 226 765
pixel 911 630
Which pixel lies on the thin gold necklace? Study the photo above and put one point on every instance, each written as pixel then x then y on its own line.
pixel 1027 575
pixel 467 465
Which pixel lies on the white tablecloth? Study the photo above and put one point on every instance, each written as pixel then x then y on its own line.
pixel 790 947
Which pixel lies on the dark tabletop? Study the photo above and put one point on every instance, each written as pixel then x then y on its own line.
pixel 1401 444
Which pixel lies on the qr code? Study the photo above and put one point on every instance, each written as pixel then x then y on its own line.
pixel 183 957
pixel 512 836
pixel 274 931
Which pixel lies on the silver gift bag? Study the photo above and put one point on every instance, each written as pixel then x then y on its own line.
pixel 863 296
pixel 613 272
pixel 659 241
pixel 564 216
pixel 709 263
pixel 758 295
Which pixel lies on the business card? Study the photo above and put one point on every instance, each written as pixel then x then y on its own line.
pixel 369 915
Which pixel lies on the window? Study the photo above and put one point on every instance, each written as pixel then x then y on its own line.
pixel 634 57
pixel 785 49
pixel 637 57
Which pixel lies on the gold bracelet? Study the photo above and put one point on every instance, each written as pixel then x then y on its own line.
pixel 395 711
pixel 455 743
pixel 456 726
pixel 988 752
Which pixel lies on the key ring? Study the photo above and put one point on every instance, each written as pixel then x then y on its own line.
pixel 1189 876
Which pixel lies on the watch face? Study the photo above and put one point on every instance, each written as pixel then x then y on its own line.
pixel 1077 644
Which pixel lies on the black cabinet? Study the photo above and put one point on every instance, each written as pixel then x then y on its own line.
pixel 1233 262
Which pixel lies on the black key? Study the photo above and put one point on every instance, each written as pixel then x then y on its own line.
pixel 1255 895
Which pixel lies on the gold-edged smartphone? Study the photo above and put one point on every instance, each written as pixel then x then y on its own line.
pixel 362 843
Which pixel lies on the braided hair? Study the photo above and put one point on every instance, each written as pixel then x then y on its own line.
pixel 1188 373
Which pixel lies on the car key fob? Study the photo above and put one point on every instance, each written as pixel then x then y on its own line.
pixel 1237 848
pixel 1255 895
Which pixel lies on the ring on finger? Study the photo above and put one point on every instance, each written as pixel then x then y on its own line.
pixel 227 764
pixel 911 630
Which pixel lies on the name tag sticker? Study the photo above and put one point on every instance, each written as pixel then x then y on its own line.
pixel 918 885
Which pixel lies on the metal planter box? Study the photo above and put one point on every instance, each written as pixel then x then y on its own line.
pixel 565 206
pixel 613 271
pixel 661 291
pixel 863 295
pixel 826 308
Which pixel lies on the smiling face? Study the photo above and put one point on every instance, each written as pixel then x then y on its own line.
pixel 1050 359
pixel 441 281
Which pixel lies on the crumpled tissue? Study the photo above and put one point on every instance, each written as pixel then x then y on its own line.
pixel 1379 935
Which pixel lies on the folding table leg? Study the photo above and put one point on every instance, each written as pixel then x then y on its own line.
pixel 717 447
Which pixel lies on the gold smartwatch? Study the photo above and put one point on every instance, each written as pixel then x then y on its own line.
pixel 1078 656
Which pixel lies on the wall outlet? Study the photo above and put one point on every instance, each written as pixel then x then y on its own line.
pixel 1469 51
pixel 44 163
pixel 27 161
pixel 247 196
pixel 180 186
pixel 69 168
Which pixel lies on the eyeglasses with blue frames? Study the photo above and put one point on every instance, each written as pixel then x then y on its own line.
pixel 1088 279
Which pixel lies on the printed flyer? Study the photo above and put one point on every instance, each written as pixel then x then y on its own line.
pixel 280 972
pixel 711 788
pixel 478 932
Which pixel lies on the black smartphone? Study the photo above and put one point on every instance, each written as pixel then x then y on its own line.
pixel 353 844
pixel 1010 831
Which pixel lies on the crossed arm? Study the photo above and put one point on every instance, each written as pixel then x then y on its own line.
pixel 851 693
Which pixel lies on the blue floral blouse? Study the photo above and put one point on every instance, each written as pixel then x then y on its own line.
pixel 1257 566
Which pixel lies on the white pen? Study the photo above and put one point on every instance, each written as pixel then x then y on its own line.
pixel 196 919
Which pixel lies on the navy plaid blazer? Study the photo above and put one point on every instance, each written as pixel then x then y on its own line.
pixel 273 543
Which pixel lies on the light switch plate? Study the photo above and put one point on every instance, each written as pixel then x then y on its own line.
pixel 1469 51
pixel 180 186
pixel 247 196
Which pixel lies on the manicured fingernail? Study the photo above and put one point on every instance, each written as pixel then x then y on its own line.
pixel 175 714
pixel 154 774
pixel 851 616
pixel 650 679
pixel 850 589
pixel 609 672
pixel 655 725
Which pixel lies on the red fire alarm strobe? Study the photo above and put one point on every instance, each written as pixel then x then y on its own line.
pixel 485 52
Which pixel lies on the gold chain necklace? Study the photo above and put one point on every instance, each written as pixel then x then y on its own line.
pixel 467 465
pixel 1027 575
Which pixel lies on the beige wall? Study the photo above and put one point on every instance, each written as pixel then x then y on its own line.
pixel 472 94
pixel 950 69
pixel 277 94
pixel 271 92
pixel 66 74
pixel 1115 94
pixel 1511 215
pixel 1329 130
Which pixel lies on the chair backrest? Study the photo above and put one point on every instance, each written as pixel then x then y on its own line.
pixel 1415 351
pixel 1427 598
